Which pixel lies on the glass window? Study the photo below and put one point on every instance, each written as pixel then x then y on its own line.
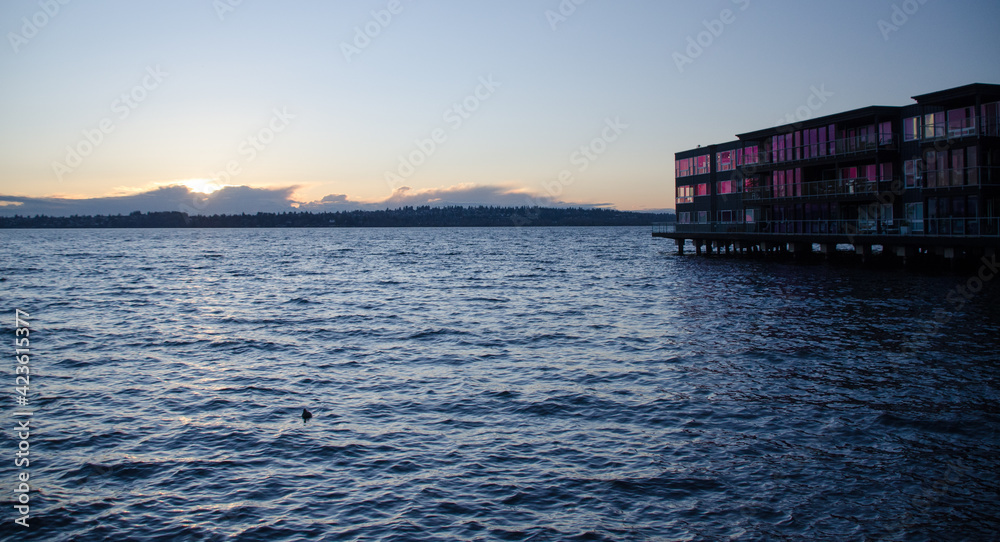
pixel 930 169
pixel 701 189
pixel 871 171
pixel 684 194
pixel 749 156
pixel 910 173
pixel 750 216
pixel 885 170
pixel 683 167
pixel 702 164
pixel 693 166
pixel 934 125
pixel 703 217
pixel 679 169
pixel 885 133
pixel 961 122
pixel 911 129
pixel 958 167
pixel 971 161
pixel 887 213
pixel 915 216
pixel 991 119
pixel 684 218
pixel 724 187
pixel 725 160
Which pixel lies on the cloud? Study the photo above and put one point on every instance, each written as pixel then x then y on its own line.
pixel 229 200
pixel 245 199
pixel 464 195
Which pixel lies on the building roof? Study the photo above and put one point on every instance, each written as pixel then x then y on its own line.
pixel 846 116
pixel 990 92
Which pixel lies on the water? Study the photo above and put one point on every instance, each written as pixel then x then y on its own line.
pixel 492 384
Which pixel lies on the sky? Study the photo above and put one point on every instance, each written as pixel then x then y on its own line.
pixel 205 106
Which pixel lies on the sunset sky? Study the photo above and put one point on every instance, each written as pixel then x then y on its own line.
pixel 392 102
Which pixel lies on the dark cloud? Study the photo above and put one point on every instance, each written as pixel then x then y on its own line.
pixel 229 200
pixel 244 199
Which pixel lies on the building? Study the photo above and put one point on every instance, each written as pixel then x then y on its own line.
pixel 921 178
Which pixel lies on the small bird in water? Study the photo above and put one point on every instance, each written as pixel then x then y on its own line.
pixel 306 415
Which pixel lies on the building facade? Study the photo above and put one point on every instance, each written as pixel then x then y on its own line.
pixel 922 176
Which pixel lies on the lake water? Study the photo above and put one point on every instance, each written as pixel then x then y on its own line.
pixel 492 384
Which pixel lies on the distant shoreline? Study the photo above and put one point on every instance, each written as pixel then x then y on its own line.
pixel 406 217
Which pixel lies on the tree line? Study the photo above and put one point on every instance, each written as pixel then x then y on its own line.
pixel 425 216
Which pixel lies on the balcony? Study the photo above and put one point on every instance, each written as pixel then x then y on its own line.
pixel 928 227
pixel 861 186
pixel 816 152
pixel 957 129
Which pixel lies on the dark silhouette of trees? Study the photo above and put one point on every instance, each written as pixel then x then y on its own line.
pixel 404 217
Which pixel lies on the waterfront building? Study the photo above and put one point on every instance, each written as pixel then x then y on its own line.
pixel 920 178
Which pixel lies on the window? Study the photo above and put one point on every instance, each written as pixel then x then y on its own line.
pixel 934 125
pixel 701 190
pixel 915 217
pixel 749 156
pixel 958 167
pixel 971 159
pixel 726 217
pixel 930 169
pixel 751 216
pixel 871 172
pixel 702 164
pixel 725 161
pixel 703 217
pixel 887 214
pixel 885 170
pixel 725 187
pixel 961 122
pixel 991 119
pixel 693 166
pixel 885 133
pixel 777 148
pixel 683 167
pixel 685 194
pixel 684 218
pixel 911 129
pixel 910 168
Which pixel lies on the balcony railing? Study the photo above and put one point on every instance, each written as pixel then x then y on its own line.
pixel 957 128
pixel 664 227
pixel 950 177
pixel 837 148
pixel 934 227
pixel 814 189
